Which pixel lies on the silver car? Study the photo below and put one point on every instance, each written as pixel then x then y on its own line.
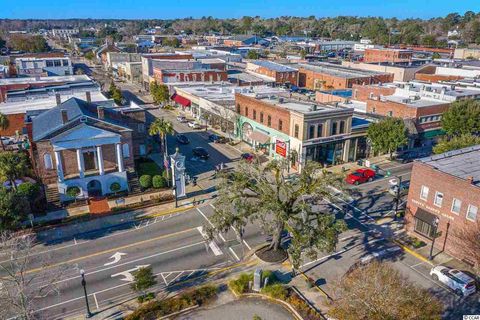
pixel 461 283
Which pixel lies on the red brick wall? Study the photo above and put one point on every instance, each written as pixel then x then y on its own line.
pixel 386 55
pixel 193 75
pixel 307 79
pixel 403 111
pixel 362 93
pixel 435 77
pixel 280 77
pixel 242 102
pixel 451 187
pixel 17 122
pixel 232 43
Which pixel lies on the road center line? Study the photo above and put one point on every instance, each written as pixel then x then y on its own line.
pixel 135 244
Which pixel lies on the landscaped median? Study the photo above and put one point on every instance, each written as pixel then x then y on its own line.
pixel 186 301
pixel 276 292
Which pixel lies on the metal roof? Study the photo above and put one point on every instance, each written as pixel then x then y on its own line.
pixel 463 163
pixel 273 66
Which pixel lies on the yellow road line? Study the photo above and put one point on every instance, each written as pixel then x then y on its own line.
pixel 111 250
pixel 317 287
pixel 413 253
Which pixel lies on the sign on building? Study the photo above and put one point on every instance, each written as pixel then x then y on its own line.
pixel 281 148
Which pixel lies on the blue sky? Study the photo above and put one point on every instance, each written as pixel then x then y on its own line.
pixel 164 9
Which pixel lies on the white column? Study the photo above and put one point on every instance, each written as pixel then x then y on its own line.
pixel 58 162
pixel 118 148
pixel 81 164
pixel 101 170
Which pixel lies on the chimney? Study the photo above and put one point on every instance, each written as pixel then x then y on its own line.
pixel 100 112
pixel 58 99
pixel 470 179
pixel 88 96
pixel 64 116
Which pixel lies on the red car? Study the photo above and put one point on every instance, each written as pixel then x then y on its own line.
pixel 247 157
pixel 360 176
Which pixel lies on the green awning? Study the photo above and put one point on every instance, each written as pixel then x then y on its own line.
pixel 433 133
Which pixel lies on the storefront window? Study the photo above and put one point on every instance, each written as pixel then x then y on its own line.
pixel 423 228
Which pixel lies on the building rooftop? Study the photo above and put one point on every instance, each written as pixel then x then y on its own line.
pixel 338 70
pixel 237 75
pixel 273 66
pixel 53 79
pixel 463 163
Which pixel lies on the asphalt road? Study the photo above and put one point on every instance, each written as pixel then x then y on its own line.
pixel 174 246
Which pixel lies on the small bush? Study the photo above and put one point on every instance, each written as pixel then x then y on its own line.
pixel 276 291
pixel 240 285
pixel 115 187
pixel 28 190
pixel 73 191
pixel 159 182
pixel 272 278
pixel 417 243
pixel 145 181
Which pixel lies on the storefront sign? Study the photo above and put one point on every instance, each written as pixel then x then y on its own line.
pixel 420 204
pixel 281 148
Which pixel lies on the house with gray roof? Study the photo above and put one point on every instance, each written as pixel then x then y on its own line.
pixel 84 145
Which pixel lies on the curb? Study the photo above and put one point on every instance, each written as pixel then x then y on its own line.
pixel 413 253
pixel 317 287
pixel 164 213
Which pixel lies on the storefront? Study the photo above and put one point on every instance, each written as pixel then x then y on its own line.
pixel 336 150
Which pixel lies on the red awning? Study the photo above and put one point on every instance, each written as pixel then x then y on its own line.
pixel 181 100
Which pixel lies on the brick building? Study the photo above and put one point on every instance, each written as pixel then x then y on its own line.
pixel 241 40
pixel 186 75
pixel 85 145
pixel 300 131
pixel 445 187
pixel 387 55
pixel 366 92
pixel 321 76
pixel 276 72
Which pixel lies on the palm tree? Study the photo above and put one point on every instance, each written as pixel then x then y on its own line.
pixel 13 165
pixel 162 127
pixel 4 124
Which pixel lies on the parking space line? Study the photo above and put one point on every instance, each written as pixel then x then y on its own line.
pixel 213 246
pixel 96 301
pixel 175 278
pixel 220 235
pixel 244 241
pixel 416 265
pixel 164 280
pixel 234 254
pixel 428 278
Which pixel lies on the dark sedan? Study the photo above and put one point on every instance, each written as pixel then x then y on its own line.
pixel 182 139
pixel 201 153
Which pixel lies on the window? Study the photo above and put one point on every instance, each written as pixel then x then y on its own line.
pixel 269 121
pixel 141 127
pixel 472 213
pixel 296 131
pixel 142 149
pixel 254 114
pixel 319 130
pixel 373 110
pixel 424 193
pixel 311 132
pixel 65 63
pixel 390 113
pixel 424 228
pixel 238 108
pixel 49 63
pixel 47 159
pixel 342 127
pixel 57 63
pixel 246 111
pixel 261 117
pixel 438 199
pixel 334 128
pixel 280 124
pixel 126 150
pixel 456 205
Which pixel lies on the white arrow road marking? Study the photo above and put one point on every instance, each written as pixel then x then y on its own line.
pixel 116 258
pixel 215 249
pixel 127 274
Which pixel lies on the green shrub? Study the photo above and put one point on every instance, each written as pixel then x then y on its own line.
pixel 276 291
pixel 416 243
pixel 115 187
pixel 73 191
pixel 146 181
pixel 204 294
pixel 272 278
pixel 28 190
pixel 159 182
pixel 240 285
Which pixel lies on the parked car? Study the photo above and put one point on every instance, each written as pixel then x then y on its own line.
pixel 181 119
pixel 201 153
pixel 182 139
pixel 215 138
pixel 247 157
pixel 7 140
pixel 194 125
pixel 360 176
pixel 409 156
pixel 404 186
pixel 461 283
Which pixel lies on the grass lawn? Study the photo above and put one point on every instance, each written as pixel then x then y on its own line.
pixel 147 167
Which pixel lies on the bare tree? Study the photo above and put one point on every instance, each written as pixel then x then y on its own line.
pixel 468 238
pixel 377 291
pixel 22 286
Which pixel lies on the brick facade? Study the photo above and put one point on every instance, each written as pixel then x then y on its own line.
pixel 16 123
pixel 316 80
pixel 402 110
pixel 387 55
pixel 279 76
pixel 364 93
pixel 450 223
pixel 189 75
pixel 435 77
pixel 244 103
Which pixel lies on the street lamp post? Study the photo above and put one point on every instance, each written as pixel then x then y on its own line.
pixel 435 226
pixel 84 284
pixel 397 199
